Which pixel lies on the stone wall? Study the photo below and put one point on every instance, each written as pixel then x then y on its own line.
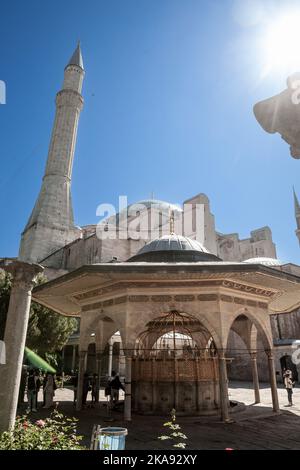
pixel 259 244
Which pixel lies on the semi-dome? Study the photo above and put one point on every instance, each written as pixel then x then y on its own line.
pixel 173 248
pixel 264 260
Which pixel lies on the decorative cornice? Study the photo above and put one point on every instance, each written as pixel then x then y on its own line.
pixel 172 299
pixel 269 293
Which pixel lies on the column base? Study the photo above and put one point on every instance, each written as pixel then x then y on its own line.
pixel 228 420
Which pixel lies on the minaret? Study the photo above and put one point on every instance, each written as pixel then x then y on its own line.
pixel 297 214
pixel 51 223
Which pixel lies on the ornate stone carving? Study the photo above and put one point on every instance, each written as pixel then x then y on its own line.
pixel 262 305
pixel 94 306
pixel 247 288
pixel 251 303
pixel 138 298
pixel 198 284
pixel 238 300
pixel 120 300
pixel 23 274
pixel 184 298
pixel 161 298
pixel 226 298
pixel 208 297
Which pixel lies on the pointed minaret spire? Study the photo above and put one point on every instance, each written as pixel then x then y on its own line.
pixel 297 214
pixel 51 224
pixel 76 58
pixel 296 203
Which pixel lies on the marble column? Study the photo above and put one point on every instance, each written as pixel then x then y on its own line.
pixel 223 387
pixel 273 383
pixel 127 404
pixel 73 357
pixel 15 338
pixel 110 357
pixel 253 356
pixel 81 371
pixel 98 366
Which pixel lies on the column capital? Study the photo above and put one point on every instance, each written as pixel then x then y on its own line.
pixel 253 355
pixel 270 353
pixel 82 353
pixel 23 273
pixel 221 353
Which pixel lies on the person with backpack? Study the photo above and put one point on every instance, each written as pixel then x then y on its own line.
pixel 31 392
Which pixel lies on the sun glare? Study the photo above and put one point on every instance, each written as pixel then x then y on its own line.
pixel 281 44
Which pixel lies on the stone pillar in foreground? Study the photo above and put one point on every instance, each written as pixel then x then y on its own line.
pixel 81 371
pixel 273 383
pixel 15 338
pixel 253 356
pixel 127 404
pixel 223 387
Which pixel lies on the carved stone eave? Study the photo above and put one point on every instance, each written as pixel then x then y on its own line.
pixel 106 285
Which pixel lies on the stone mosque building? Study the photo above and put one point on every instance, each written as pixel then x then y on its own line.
pixel 168 307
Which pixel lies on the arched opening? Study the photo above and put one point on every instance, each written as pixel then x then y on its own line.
pixel 175 366
pixel 258 349
pixel 241 348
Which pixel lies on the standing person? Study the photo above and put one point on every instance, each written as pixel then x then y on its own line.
pixel 85 388
pixel 37 385
pixel 288 383
pixel 31 392
pixel 115 385
pixel 49 389
pixel 95 389
pixel 22 386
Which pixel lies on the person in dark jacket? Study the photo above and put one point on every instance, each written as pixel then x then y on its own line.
pixel 95 389
pixel 115 386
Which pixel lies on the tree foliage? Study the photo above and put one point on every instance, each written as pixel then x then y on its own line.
pixel 47 331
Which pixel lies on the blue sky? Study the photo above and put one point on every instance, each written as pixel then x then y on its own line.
pixel 169 91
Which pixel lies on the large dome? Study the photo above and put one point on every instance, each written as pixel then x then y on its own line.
pixel 173 248
pixel 265 261
pixel 162 207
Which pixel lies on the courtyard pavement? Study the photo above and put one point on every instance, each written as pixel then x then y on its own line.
pixel 253 427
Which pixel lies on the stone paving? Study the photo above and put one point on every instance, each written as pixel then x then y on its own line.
pixel 255 427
